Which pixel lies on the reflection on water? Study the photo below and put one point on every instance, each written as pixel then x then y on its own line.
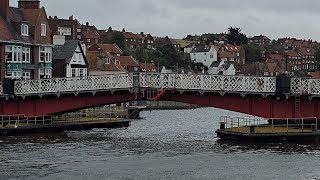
pixel 164 145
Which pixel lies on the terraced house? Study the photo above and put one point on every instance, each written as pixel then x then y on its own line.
pixel 25 48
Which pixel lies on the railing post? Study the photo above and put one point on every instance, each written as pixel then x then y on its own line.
pixel 287 125
pixel 302 124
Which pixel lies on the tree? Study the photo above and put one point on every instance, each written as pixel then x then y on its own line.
pixel 236 37
pixel 117 38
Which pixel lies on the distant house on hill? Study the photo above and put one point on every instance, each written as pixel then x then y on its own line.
pixel 260 40
pixel 101 63
pixel 204 54
pixel 113 49
pixel 128 63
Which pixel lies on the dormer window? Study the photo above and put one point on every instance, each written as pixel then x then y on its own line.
pixel 24 30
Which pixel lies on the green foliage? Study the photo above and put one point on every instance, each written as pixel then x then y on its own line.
pixel 236 37
pixel 116 37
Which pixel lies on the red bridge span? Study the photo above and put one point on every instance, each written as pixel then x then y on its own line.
pixel 266 97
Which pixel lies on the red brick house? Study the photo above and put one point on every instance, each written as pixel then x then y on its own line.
pixel 25 42
pixel 101 63
pixel 90 35
pixel 233 54
pixel 70 28
pixel 260 40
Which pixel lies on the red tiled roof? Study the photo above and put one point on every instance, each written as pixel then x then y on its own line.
pixel 232 48
pixel 96 63
pixel 276 57
pixel 127 61
pixel 293 53
pixel 130 35
pixel 90 34
pixel 304 51
pixel 111 48
pixel 5 34
pixel 148 67
pixel 225 54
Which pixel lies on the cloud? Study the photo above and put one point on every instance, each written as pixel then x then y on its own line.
pixel 178 18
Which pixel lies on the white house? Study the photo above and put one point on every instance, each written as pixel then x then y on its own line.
pixel 204 54
pixel 69 58
pixel 222 68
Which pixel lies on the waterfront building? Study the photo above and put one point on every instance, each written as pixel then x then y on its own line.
pixel 25 43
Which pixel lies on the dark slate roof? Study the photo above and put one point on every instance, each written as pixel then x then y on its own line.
pixel 215 64
pixel 226 66
pixel 201 48
pixel 66 51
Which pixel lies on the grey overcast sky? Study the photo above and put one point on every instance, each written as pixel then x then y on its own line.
pixel 178 18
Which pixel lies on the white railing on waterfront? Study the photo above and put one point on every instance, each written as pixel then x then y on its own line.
pixel 209 82
pixel 74 84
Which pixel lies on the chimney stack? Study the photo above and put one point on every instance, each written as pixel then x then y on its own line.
pixel 87 24
pixel 29 4
pixel 71 18
pixel 4 8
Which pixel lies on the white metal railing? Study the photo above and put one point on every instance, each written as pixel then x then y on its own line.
pixel 305 86
pixel 74 84
pixel 252 124
pixel 14 121
pixel 208 82
pixel 249 84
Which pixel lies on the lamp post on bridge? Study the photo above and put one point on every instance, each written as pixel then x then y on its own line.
pixel 286 52
pixel 308 61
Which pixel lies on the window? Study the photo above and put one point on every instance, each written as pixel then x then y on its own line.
pixel 211 56
pixel 13 74
pixel 79 36
pixel 88 40
pixel 79 30
pixel 107 61
pixel 45 54
pixel 80 72
pixel 66 31
pixel 73 72
pixel 25 55
pixel 43 29
pixel 24 30
pixel 26 75
pixel 14 54
pixel 85 72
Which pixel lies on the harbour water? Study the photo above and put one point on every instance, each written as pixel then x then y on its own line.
pixel 169 144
